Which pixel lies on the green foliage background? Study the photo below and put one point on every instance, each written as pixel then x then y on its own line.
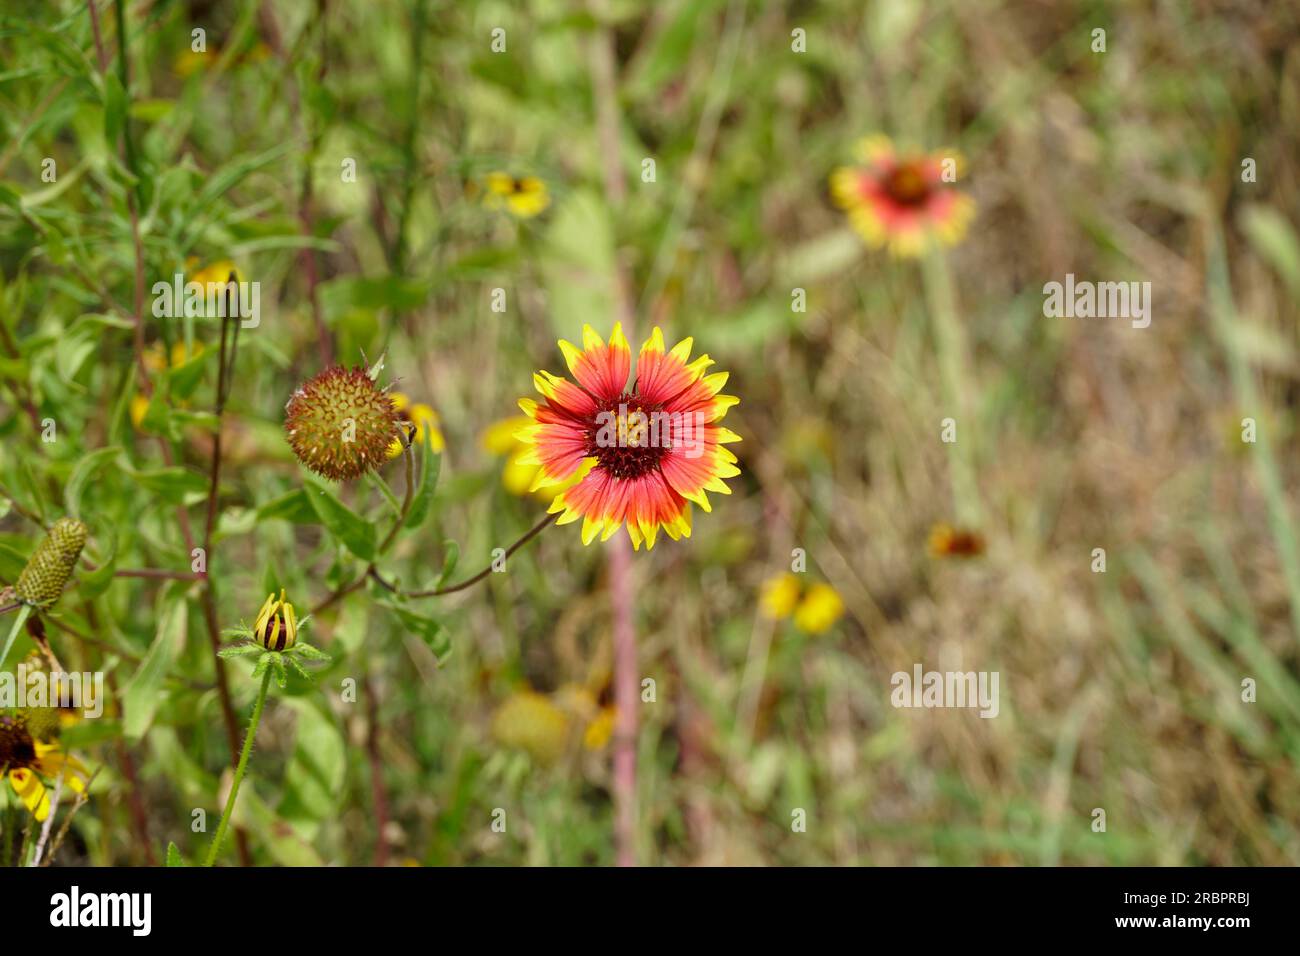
pixel 1119 691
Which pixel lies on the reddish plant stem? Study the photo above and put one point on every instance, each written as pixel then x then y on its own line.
pixel 626 701
pixel 139 816
pixel 225 368
pixel 146 386
pixel 621 591
pixel 159 573
pixel 378 796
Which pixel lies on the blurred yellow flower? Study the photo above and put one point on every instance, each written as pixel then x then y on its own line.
pixel 218 272
pixel 139 407
pixel 779 596
pixel 531 722
pixel 523 197
pixel 157 358
pixel 600 730
pixel 543 725
pixel 423 417
pixel 517 476
pixel 820 608
pixel 191 61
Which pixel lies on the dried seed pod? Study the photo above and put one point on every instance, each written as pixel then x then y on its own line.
pixel 340 424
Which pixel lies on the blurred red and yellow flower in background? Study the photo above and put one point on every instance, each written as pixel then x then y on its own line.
pixel 949 542
pixel 904 201
pixel 646 447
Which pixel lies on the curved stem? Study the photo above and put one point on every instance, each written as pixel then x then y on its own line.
pixel 409 463
pixel 533 532
pixel 240 768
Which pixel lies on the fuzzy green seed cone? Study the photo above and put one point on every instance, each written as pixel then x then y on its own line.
pixel 42 722
pixel 340 424
pixel 48 571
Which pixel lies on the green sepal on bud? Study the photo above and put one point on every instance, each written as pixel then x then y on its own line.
pixel 43 579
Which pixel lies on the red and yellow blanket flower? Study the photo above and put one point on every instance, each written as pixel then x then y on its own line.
pixel 904 201
pixel 646 445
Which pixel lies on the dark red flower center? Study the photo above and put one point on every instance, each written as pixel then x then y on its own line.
pixel 907 184
pixel 17 751
pixel 628 437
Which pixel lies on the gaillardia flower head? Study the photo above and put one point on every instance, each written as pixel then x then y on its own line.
pixel 646 446
pixel 341 424
pixel 903 201
pixel 47 571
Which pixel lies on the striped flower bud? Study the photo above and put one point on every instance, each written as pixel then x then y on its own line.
pixel 51 565
pixel 340 423
pixel 277 625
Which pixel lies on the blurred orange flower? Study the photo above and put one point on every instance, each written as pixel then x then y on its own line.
pixel 906 202
pixel 949 542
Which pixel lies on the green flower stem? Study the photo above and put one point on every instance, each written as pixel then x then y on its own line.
pixel 239 770
pixel 954 363
pixel 24 612
pixel 408 463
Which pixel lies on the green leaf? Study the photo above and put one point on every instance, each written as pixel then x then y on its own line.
pixel 72 350
pixel 427 628
pixel 94 583
pixel 358 292
pixel 82 474
pixel 350 529
pixel 143 693
pixel 1275 240
pixel 174 857
pixel 114 108
pixel 185 378
pixel 430 467
pixel 293 507
pixel 216 185
pixel 451 556
pixel 579 263
pixel 173 484
pixel 316 769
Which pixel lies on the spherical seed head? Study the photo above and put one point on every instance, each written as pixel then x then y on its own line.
pixel 48 570
pixel 340 423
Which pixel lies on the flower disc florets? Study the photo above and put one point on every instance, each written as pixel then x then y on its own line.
pixel 340 423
